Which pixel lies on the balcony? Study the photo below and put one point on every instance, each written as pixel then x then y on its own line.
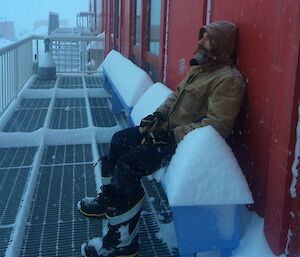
pixel 51 134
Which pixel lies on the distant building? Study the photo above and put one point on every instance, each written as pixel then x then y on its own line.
pixel 7 30
pixel 44 23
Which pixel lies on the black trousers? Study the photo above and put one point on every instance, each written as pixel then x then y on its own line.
pixel 132 160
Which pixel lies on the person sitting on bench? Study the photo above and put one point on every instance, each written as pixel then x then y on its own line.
pixel 210 94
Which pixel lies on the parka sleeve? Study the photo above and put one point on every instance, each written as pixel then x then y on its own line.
pixel 223 107
pixel 167 105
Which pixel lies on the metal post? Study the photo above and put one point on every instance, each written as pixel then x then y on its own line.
pixel 16 72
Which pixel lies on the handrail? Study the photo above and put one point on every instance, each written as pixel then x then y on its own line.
pixel 5 49
pixel 16 66
pixel 12 46
pixel 75 38
pixel 71 53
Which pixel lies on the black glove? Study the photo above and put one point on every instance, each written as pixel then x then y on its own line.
pixel 160 136
pixel 151 121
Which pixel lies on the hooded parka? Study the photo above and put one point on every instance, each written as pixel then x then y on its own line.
pixel 211 93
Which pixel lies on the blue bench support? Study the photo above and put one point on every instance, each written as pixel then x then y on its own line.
pixel 105 82
pixel 199 228
pixel 117 104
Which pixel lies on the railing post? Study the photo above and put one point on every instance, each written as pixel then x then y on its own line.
pixel 1 83
pixel 16 73
pixel 5 80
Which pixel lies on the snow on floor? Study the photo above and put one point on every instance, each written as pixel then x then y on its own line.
pixel 253 242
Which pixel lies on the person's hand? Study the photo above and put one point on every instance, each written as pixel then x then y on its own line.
pixel 150 122
pixel 160 136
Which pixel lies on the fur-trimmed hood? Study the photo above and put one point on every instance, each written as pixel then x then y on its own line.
pixel 223 36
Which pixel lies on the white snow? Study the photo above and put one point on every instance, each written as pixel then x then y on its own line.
pixel 204 171
pixel 149 102
pixel 131 81
pixel 5 42
pixel 167 234
pixel 96 242
pixel 296 159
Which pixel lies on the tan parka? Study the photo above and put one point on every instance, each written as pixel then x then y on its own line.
pixel 211 93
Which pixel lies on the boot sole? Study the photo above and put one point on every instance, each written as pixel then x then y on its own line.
pixel 89 215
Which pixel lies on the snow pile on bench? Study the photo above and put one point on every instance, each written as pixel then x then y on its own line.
pixel 128 79
pixel 204 171
pixel 149 102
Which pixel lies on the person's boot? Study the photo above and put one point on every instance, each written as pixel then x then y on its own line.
pixel 121 239
pixel 96 206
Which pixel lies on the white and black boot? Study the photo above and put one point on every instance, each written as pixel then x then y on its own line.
pixel 121 239
pixel 96 206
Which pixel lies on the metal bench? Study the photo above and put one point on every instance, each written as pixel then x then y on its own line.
pixel 125 81
pixel 198 227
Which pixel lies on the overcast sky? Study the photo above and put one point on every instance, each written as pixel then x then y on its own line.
pixel 24 12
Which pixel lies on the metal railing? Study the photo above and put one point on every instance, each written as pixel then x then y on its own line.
pixel 16 66
pixel 77 53
pixel 19 60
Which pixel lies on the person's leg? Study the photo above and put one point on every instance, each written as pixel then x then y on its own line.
pixel 125 203
pixel 137 163
pixel 121 142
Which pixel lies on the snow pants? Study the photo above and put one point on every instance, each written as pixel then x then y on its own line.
pixel 132 160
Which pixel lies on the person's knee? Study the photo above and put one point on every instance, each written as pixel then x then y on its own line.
pixel 117 138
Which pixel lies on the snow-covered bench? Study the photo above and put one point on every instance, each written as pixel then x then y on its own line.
pixel 203 182
pixel 204 185
pixel 126 81
pixel 149 102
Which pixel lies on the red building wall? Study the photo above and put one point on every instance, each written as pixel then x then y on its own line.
pixel 294 213
pixel 126 32
pixel 268 50
pixel 185 21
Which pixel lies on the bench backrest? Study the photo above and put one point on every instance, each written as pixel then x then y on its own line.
pixel 129 80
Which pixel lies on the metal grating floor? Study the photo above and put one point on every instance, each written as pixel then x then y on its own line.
pixel 70 82
pixel 150 245
pixel 4 239
pixel 66 174
pixel 93 81
pixel 14 169
pixel 101 112
pixel 56 228
pixel 29 116
pixel 16 157
pixel 159 200
pixel 69 113
pixel 40 103
pixel 43 84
